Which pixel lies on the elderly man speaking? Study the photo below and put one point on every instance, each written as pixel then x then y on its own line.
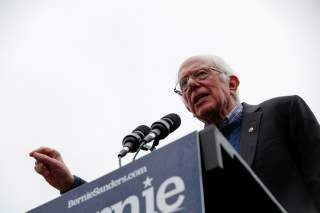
pixel 279 138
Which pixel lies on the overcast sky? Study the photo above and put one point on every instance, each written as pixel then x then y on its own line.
pixel 79 75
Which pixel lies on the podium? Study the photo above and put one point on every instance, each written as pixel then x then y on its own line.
pixel 197 173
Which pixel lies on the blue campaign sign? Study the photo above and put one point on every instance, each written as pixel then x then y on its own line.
pixel 166 180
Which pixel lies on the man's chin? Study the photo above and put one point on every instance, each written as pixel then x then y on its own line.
pixel 205 112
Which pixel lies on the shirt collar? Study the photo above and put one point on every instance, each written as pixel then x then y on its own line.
pixel 233 115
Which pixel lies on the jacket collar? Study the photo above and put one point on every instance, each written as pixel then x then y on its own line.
pixel 250 131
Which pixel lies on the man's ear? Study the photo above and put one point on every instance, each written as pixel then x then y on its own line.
pixel 233 84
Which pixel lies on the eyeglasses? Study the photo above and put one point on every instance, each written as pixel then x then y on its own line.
pixel 198 75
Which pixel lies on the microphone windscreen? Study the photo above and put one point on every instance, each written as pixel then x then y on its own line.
pixel 133 140
pixel 174 121
pixel 143 129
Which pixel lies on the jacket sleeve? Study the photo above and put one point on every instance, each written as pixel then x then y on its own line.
pixel 305 139
pixel 77 182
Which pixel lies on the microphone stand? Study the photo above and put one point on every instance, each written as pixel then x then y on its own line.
pixel 119 161
pixel 142 146
pixel 146 147
pixel 154 144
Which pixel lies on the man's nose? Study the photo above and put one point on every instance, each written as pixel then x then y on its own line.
pixel 192 83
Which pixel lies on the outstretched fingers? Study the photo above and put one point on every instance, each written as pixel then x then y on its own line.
pixel 45 160
pixel 46 151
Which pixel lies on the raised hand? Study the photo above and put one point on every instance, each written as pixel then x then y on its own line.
pixel 50 165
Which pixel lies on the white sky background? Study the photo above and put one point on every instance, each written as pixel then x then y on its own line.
pixel 79 75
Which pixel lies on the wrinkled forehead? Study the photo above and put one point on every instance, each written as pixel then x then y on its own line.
pixel 194 63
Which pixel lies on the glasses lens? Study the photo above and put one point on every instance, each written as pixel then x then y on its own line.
pixel 182 85
pixel 197 75
pixel 200 74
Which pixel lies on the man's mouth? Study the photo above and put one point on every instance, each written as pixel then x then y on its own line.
pixel 199 98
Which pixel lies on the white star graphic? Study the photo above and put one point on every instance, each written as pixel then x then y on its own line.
pixel 147 182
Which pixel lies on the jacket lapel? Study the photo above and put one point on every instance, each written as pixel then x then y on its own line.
pixel 249 132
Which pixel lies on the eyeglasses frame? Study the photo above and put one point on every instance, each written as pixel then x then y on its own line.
pixel 181 92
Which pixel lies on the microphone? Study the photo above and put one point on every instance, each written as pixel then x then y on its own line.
pixel 132 141
pixel 163 127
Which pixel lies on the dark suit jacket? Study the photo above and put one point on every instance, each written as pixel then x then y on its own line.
pixel 283 149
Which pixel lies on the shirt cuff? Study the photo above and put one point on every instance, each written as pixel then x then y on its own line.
pixel 76 182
